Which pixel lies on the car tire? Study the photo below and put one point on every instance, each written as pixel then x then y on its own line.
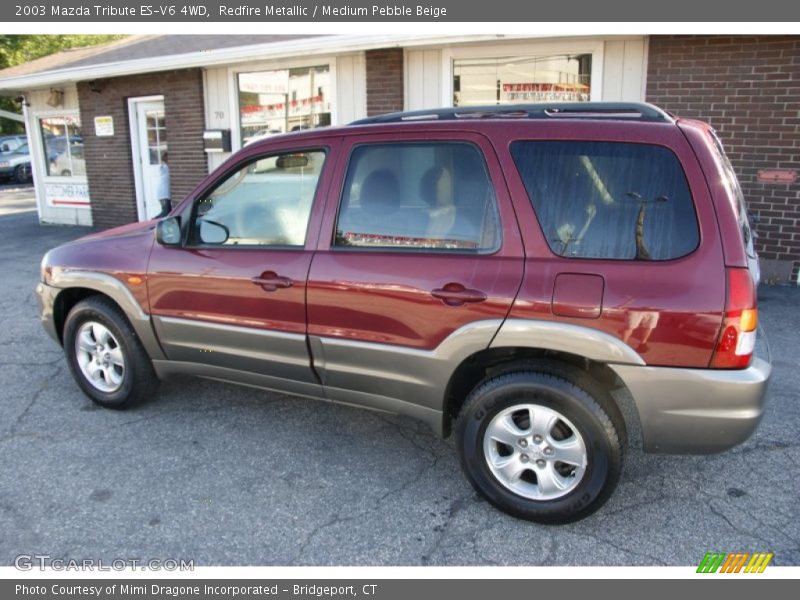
pixel 22 174
pixel 542 443
pixel 105 355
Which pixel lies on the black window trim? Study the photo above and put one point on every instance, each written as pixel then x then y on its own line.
pixel 410 249
pixel 188 227
pixel 700 237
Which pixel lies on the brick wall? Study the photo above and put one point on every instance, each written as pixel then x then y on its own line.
pixel 748 88
pixel 108 159
pixel 384 80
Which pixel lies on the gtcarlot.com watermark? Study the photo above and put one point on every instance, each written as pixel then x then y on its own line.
pixel 42 562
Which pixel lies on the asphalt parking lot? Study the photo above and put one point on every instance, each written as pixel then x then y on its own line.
pixel 226 475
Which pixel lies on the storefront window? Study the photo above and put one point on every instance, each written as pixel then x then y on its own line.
pixel 283 100
pixel 522 79
pixel 156 136
pixel 63 146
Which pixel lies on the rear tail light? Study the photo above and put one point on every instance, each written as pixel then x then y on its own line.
pixel 737 338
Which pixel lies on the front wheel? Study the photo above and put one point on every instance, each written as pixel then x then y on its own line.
pixel 540 447
pixel 105 355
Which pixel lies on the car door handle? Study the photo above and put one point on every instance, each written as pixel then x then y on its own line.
pixel 455 294
pixel 271 281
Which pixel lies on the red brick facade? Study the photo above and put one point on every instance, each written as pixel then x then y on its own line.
pixel 748 88
pixel 385 91
pixel 108 159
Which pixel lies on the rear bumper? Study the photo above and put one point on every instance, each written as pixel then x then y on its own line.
pixel 698 411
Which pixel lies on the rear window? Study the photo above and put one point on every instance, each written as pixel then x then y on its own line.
pixel 609 200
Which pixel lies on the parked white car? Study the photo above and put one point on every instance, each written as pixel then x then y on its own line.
pixel 64 167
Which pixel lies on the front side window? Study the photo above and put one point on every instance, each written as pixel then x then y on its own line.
pixel 63 146
pixel 265 203
pixel 522 79
pixel 609 199
pixel 418 196
pixel 283 100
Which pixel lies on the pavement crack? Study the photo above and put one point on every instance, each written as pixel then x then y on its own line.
pixel 653 560
pixel 421 471
pixel 455 507
pixel 34 398
pixel 335 520
pixel 744 532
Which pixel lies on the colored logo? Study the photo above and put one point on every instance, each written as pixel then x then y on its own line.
pixel 734 562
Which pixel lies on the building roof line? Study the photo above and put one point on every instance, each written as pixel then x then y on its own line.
pixel 237 54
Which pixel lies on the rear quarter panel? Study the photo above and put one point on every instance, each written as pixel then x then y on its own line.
pixel 699 136
pixel 680 301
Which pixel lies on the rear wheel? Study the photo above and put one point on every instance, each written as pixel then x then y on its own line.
pixel 105 355
pixel 539 446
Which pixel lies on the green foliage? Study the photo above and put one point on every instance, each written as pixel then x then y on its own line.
pixel 18 49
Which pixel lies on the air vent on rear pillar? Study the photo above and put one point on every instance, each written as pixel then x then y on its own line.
pixel 578 295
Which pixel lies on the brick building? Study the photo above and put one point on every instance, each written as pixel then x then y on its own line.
pixel 748 88
pixel 182 93
pixel 102 121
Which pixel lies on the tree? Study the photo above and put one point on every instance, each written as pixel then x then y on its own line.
pixel 18 49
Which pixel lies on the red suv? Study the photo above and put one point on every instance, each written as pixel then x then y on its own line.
pixel 534 278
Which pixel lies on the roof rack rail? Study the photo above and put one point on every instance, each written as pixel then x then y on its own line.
pixel 639 111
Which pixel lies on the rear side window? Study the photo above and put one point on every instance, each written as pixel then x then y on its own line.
pixel 418 196
pixel 609 200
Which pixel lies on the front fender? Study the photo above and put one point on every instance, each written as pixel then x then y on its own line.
pixel 62 279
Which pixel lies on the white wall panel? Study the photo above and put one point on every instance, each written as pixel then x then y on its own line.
pixel 423 79
pixel 623 73
pixel 351 88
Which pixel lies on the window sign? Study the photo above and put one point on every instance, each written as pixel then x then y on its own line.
pixel 522 79
pixel 66 194
pixel 104 126
pixel 265 82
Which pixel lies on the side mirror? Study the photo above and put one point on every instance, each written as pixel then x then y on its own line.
pixel 168 231
pixel 211 232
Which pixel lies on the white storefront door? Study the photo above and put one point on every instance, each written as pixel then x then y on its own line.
pixel 149 145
